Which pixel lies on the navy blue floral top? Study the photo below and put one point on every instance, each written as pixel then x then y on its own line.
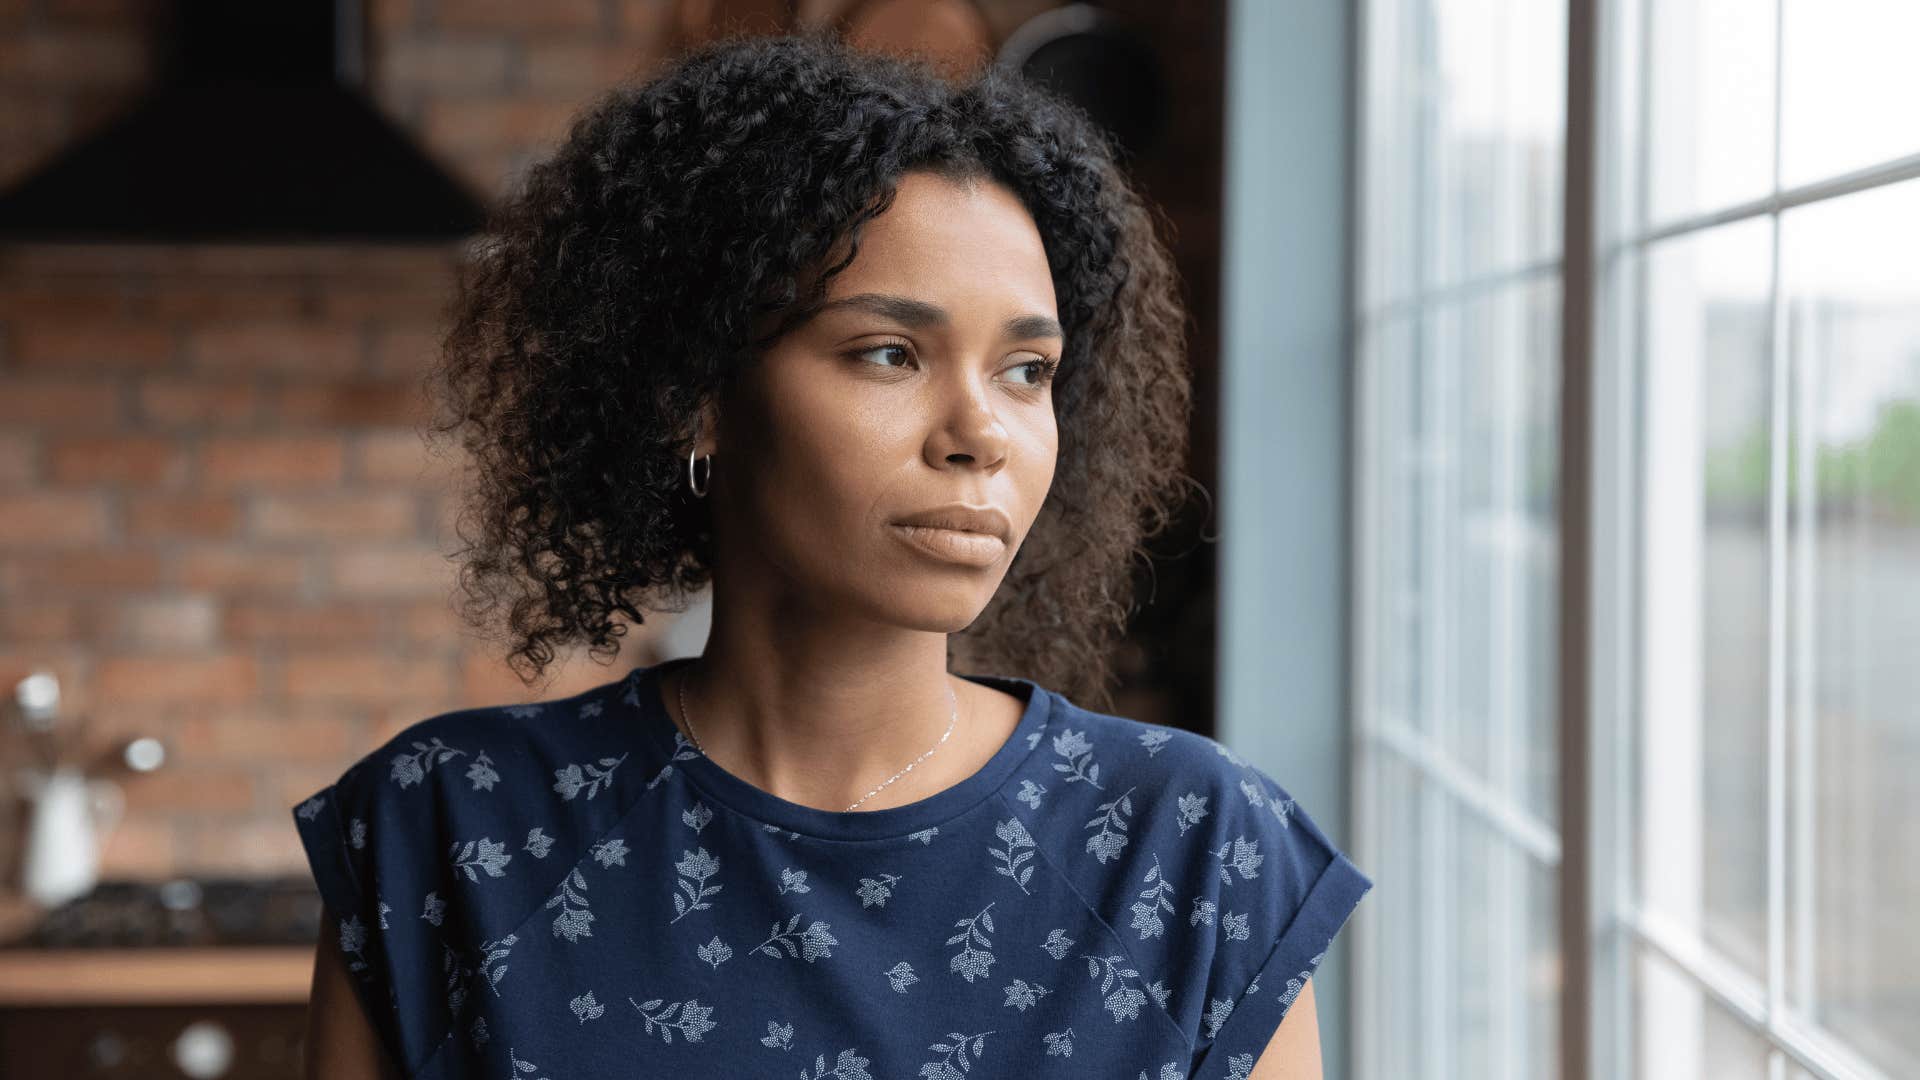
pixel 571 891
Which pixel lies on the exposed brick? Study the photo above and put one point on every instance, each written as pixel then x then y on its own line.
pixel 72 301
pixel 454 124
pixel 335 517
pixel 447 65
pixel 188 678
pixel 20 457
pixel 548 16
pixel 213 299
pixel 316 624
pixel 353 302
pixel 244 569
pixel 649 20
pixel 163 621
pixel 122 14
pixel 272 461
pixel 175 401
pixel 299 348
pixel 62 57
pixel 70 345
pixel 144 460
pixel 140 847
pixel 414 571
pixel 429 622
pixel 370 678
pixel 44 518
pixel 404 350
pixel 57 399
pixel 183 787
pixel 253 846
pixel 112 568
pixel 255 734
pixel 352 403
pixel 186 516
pixel 50 620
pixel 402 458
pixel 584 68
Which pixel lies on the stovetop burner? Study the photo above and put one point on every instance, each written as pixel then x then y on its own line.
pixel 182 912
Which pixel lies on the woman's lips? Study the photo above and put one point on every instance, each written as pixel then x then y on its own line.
pixel 952 545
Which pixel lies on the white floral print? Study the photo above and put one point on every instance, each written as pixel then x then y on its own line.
pixel 482 772
pixel 691 1023
pixel 1122 1001
pixel 495 953
pixel 1030 793
pixel 952 1051
pixel 1234 926
pixel 1112 821
pixel 522 1066
pixel 436 909
pixel 611 852
pixel 714 952
pixel 925 836
pixel 971 963
pixel 876 891
pixel 792 880
pixel 1059 1043
pixel 574 921
pixel 1154 740
pixel 1246 858
pixel 1153 898
pixel 357 833
pixel 1022 994
pixel 901 976
pixel 848 1066
pixel 574 779
pixel 311 808
pixel 695 868
pixel 1079 765
pixel 1013 833
pixel 697 816
pixel 779 1036
pixel 353 938
pixel 1192 808
pixel 489 856
pixel 1057 943
pixel 810 944
pixel 538 843
pixel 586 1008
pixel 410 769
pixel 1202 912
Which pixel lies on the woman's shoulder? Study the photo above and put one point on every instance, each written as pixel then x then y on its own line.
pixel 476 804
pixel 1205 865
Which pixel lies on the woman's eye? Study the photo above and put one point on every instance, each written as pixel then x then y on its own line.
pixel 887 347
pixel 1039 371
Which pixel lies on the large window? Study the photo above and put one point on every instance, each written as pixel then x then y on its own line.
pixel 1753 740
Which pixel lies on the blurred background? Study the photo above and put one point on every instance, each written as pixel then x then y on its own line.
pixel 1558 398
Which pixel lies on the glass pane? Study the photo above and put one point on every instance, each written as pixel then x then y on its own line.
pixel 1496 125
pixel 1682 1033
pixel 1390 1025
pixel 1389 183
pixel 1711 114
pixel 1701 780
pixel 1464 126
pixel 1848 86
pixel 1487 389
pixel 1853 313
pixel 1390 485
pixel 1500 985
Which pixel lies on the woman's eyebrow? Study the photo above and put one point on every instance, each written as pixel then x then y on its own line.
pixel 919 314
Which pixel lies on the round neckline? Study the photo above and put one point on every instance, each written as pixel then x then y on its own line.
pixel 887 823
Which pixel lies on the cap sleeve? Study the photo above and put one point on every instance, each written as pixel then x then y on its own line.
pixel 370 869
pixel 1281 882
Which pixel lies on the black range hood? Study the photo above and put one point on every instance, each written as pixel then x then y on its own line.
pixel 259 130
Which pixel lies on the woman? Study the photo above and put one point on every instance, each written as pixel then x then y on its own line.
pixel 896 367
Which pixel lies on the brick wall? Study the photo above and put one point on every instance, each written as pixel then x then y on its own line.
pixel 217 523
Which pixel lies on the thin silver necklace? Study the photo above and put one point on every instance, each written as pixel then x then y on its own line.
pixel 953 719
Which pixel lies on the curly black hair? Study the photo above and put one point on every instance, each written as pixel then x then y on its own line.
pixel 682 225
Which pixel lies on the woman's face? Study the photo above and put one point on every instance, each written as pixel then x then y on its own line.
pixel 922 384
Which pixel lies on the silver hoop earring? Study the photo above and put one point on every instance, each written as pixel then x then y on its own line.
pixel 699 492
